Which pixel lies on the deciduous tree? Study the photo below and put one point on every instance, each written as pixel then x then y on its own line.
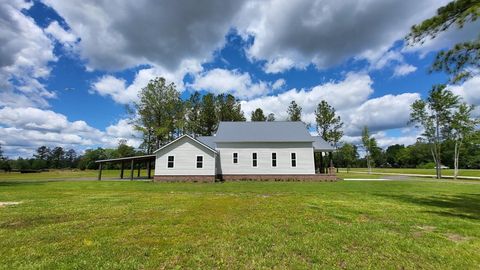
pixel 462 127
pixel 368 145
pixel 434 115
pixel 160 113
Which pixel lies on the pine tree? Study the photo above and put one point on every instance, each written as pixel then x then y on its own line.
pixel 258 116
pixel 462 61
pixel 208 116
pixel 271 117
pixel 294 112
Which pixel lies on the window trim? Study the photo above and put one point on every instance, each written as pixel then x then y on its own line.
pixel 272 159
pixel 255 159
pixel 196 161
pixel 233 158
pixel 293 159
pixel 173 161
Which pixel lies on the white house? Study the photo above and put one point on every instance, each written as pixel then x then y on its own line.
pixel 243 150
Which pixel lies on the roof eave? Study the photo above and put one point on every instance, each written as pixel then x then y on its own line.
pixel 179 138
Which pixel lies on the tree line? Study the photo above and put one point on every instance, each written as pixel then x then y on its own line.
pixel 58 158
pixel 161 116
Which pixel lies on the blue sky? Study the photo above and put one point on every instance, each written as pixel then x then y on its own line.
pixel 68 70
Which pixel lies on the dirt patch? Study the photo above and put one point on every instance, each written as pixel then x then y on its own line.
pixel 427 228
pixel 422 230
pixel 457 237
pixel 3 204
pixel 363 218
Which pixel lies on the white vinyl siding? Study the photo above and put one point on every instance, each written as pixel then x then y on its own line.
pixel 185 152
pixel 303 155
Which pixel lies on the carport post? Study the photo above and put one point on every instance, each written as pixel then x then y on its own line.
pixel 149 174
pixel 122 167
pixel 139 166
pixel 100 172
pixel 131 170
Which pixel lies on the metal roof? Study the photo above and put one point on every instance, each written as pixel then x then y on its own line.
pixel 207 140
pixel 321 145
pixel 275 131
pixel 145 157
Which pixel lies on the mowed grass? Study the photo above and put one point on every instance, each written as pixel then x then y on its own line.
pixel 246 225
pixel 69 174
pixel 446 172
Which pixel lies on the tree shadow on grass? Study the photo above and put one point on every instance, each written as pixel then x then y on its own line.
pixel 21 183
pixel 461 205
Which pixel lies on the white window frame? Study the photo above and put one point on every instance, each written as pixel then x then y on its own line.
pixel 292 159
pixel 256 159
pixel 276 159
pixel 172 161
pixel 196 161
pixel 233 158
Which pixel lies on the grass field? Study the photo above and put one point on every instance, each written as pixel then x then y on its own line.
pixel 446 172
pixel 110 174
pixel 68 174
pixel 251 225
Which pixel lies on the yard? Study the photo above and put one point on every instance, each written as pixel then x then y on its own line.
pixel 445 172
pixel 125 225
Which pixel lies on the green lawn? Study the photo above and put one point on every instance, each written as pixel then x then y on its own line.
pixel 68 174
pixel 465 172
pixel 252 225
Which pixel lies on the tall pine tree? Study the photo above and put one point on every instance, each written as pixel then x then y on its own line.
pixel 294 112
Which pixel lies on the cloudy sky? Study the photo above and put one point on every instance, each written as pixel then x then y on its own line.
pixel 69 68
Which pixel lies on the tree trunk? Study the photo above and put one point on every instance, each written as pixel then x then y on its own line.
pixel 456 158
pixel 368 163
pixel 437 148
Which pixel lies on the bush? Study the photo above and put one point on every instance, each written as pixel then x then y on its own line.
pixel 429 165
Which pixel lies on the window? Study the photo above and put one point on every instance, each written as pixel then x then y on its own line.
pixel 199 162
pixel 254 159
pixel 235 158
pixel 294 160
pixel 171 162
pixel 274 159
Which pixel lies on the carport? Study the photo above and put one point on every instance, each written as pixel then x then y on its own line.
pixel 133 161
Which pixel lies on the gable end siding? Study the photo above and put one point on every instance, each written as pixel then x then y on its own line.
pixel 185 152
